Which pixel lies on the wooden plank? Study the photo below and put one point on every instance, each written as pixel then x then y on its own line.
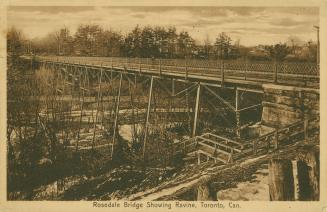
pixel 213 148
pixel 219 144
pixel 217 158
pixel 225 139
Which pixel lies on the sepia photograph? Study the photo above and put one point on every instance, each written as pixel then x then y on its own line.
pixel 198 105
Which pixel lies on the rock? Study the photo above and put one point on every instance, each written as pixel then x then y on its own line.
pixel 45 161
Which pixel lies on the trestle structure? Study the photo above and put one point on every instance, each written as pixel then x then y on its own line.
pixel 104 104
pixel 88 102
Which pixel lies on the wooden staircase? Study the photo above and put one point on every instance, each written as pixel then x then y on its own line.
pixel 217 148
pixel 224 150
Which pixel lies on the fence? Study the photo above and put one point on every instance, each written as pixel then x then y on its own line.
pixel 282 72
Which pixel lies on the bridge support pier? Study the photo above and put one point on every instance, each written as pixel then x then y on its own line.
pixel 196 110
pixel 283 104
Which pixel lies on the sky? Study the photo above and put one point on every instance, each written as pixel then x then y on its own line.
pixel 250 25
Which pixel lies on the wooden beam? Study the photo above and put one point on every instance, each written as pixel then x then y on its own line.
pixel 252 106
pixel 82 108
pixel 196 110
pixel 147 118
pixel 220 98
pixel 116 115
pixel 185 90
pixel 97 108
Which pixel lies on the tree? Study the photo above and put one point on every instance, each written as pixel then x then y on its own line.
pixel 88 39
pixel 207 47
pixel 311 52
pixel 148 48
pixel 132 43
pixel 185 44
pixel 293 42
pixel 112 42
pixel 279 51
pixel 171 41
pixel 160 41
pixel 15 42
pixel 223 45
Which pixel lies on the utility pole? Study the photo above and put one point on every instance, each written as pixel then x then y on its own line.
pixel 318 45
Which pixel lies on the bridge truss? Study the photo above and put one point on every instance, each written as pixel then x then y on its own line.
pixel 90 102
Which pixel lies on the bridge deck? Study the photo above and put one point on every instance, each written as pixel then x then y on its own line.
pixel 230 72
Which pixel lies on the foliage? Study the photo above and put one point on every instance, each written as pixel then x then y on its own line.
pixel 279 51
pixel 158 42
pixel 223 45
pixel 15 42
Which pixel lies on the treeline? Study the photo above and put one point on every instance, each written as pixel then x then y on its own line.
pixel 156 42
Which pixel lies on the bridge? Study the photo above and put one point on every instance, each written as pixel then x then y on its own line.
pixel 219 72
pixel 102 88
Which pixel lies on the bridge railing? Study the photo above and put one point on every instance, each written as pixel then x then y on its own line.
pixel 283 72
pixel 302 129
pixel 305 68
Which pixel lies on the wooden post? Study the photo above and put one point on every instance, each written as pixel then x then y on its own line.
pixel 147 119
pixel 173 87
pixel 308 176
pixel 305 129
pixel 160 67
pixel 116 116
pixel 254 144
pixel 281 181
pixel 246 68
pixel 82 108
pixel 222 73
pixel 186 71
pixel 206 193
pixel 275 71
pixel 148 64
pixel 199 158
pixel 276 139
pixel 189 122
pixel 196 110
pixel 237 113
pixel 238 123
pixel 97 111
pixel 231 159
